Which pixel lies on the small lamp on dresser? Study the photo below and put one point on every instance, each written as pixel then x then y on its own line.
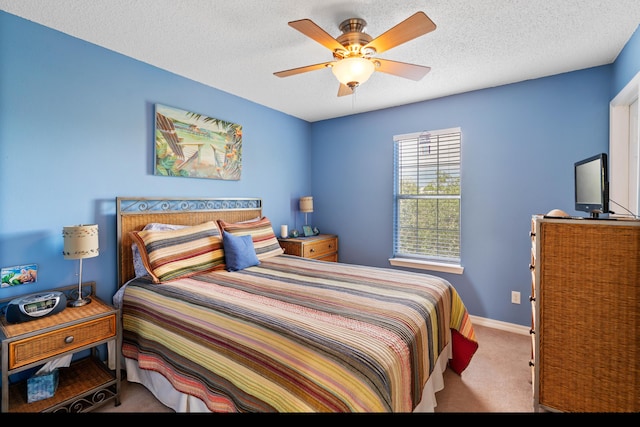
pixel 306 206
pixel 80 241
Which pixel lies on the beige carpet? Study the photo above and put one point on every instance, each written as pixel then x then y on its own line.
pixel 498 379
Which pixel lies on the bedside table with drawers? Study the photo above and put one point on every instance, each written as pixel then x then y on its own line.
pixel 87 382
pixel 323 247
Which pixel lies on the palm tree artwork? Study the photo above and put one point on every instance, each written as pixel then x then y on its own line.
pixel 189 144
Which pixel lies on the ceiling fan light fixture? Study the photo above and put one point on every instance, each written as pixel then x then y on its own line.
pixel 353 71
pixel 353 51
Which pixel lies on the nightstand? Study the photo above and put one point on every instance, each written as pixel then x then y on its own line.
pixel 87 383
pixel 323 247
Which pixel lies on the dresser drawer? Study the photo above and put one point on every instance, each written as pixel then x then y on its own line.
pixel 320 248
pixel 28 350
pixel 329 257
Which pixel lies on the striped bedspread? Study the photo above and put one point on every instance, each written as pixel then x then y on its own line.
pixel 297 335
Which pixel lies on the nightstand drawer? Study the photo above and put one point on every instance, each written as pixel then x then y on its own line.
pixel 28 350
pixel 320 248
pixel 329 257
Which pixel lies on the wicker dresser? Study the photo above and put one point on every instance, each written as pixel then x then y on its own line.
pixel 585 315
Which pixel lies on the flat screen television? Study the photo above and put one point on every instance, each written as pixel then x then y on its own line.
pixel 592 185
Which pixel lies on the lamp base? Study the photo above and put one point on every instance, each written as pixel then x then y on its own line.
pixel 79 302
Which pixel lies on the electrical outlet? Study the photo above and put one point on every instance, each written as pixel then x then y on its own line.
pixel 515 297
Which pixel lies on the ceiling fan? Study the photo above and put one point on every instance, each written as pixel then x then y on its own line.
pixel 354 51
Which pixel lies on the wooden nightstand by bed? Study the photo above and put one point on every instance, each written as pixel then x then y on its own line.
pixel 88 382
pixel 323 247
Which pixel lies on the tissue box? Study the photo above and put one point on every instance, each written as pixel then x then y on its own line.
pixel 42 386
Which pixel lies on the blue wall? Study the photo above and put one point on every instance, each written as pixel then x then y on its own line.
pixel 519 143
pixel 627 64
pixel 76 131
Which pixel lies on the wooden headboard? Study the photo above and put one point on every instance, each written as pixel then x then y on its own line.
pixel 133 213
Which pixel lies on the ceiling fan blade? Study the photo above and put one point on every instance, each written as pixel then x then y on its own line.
pixel 312 30
pixel 412 27
pixel 300 70
pixel 401 69
pixel 344 90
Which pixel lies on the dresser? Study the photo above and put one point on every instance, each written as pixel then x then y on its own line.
pixel 585 304
pixel 323 247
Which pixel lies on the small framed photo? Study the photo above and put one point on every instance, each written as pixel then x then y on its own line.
pixel 19 275
pixel 306 229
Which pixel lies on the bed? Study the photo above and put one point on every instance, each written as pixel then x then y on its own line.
pixel 219 319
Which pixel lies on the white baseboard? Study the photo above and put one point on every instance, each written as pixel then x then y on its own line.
pixel 496 324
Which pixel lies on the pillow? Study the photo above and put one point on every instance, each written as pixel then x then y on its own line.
pixel 239 252
pixel 138 266
pixel 173 254
pixel 250 220
pixel 264 239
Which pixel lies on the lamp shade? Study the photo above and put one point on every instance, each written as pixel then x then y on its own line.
pixel 80 241
pixel 306 204
pixel 353 71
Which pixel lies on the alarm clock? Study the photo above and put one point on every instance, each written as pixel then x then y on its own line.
pixel 35 306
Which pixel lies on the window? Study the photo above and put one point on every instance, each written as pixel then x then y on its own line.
pixel 624 151
pixel 427 198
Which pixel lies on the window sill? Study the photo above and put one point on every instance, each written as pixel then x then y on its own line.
pixel 426 265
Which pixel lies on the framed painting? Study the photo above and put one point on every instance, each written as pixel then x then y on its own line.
pixel 192 145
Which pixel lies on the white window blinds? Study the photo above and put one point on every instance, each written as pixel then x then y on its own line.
pixel 427 195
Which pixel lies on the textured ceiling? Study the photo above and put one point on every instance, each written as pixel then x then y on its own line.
pixel 237 45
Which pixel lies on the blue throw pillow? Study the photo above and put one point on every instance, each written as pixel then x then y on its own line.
pixel 239 252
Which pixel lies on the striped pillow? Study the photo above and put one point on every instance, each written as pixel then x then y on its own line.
pixel 264 239
pixel 138 266
pixel 172 254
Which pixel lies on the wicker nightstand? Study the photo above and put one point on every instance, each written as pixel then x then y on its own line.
pixel 86 383
pixel 323 247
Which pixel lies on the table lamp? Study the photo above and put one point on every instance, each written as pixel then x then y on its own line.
pixel 306 206
pixel 80 241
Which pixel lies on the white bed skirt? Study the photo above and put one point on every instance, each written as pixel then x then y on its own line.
pixel 180 402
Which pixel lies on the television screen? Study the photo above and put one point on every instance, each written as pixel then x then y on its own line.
pixel 592 185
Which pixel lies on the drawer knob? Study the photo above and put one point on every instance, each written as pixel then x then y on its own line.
pixel 69 339
pixel 531 299
pixel 312 250
pixel 532 234
pixel 531 364
pixel 532 267
pixel 532 332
